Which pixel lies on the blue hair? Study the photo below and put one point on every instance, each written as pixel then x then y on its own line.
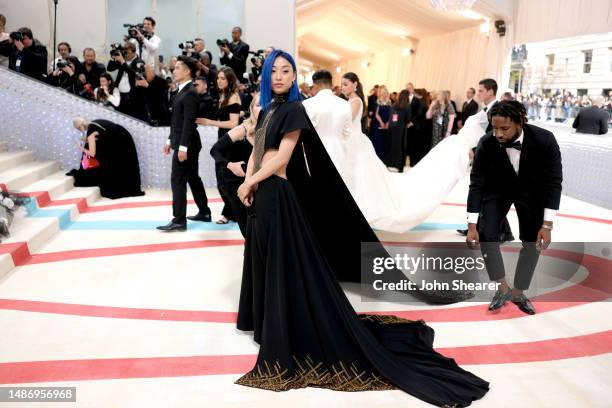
pixel 265 96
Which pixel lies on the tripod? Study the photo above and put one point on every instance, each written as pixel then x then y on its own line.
pixel 54 31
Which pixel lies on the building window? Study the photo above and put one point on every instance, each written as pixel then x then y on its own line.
pixel 588 57
pixel 550 63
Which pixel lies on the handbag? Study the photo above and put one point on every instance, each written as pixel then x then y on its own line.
pixel 89 162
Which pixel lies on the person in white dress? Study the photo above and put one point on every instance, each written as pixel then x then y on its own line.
pixel 394 202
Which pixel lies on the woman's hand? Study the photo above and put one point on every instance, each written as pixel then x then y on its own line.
pixel 245 193
pixel 203 121
pixel 236 168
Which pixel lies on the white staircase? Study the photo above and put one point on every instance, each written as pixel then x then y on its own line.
pixel 52 190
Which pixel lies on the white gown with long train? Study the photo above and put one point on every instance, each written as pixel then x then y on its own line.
pixel 397 202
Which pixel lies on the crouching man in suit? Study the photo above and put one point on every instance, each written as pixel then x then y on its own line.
pixel 520 164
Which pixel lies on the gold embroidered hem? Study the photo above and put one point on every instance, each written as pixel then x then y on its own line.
pixel 340 377
pixel 387 319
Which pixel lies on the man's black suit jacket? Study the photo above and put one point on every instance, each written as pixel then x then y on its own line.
pixel 125 69
pixel 417 110
pixel 239 58
pixel 538 183
pixel 183 129
pixel 468 110
pixel 33 58
pixel 592 120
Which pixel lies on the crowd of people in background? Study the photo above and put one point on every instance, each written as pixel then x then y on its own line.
pixel 403 126
pixel 561 107
pixel 136 80
pixel 430 116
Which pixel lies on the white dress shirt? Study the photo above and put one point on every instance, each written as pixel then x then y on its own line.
pixel 150 47
pixel 514 155
pixel 124 84
pixel 179 88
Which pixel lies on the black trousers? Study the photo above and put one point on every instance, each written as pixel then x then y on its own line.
pixel 492 216
pixel 227 210
pixel 229 190
pixel 184 173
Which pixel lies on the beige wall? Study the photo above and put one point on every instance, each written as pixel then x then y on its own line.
pixel 270 23
pixel 458 60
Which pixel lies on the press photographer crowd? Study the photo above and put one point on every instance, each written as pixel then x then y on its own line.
pixel 137 81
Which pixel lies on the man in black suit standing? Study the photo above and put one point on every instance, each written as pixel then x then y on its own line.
pixel 592 120
pixel 235 54
pixel 470 107
pixel 518 164
pixel 184 140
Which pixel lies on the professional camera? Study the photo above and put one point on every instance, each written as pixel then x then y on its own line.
pixel 16 36
pixel 258 57
pixel 224 42
pixel 139 70
pixel 186 45
pixel 189 50
pixel 116 49
pixel 251 86
pixel 133 30
pixel 61 64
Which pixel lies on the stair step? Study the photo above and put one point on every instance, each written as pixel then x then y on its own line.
pixel 9 160
pixel 26 174
pixel 55 184
pixel 6 265
pixel 89 194
pixel 35 231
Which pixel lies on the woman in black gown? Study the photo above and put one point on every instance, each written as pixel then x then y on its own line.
pixel 228 117
pixel 399 118
pixel 118 173
pixel 231 154
pixel 308 332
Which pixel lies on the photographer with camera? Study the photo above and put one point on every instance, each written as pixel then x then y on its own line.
pixel 147 43
pixel 64 50
pixel 235 54
pixel 90 72
pixel 209 71
pixel 200 47
pixel 258 59
pixel 107 94
pixel 207 108
pixel 26 55
pixel 152 91
pixel 65 75
pixel 129 66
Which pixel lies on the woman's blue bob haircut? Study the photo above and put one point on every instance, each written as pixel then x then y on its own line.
pixel 265 96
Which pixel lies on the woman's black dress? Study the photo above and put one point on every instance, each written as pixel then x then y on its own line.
pixel 223 114
pixel 308 332
pixel 224 152
pixel 398 119
pixel 119 172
